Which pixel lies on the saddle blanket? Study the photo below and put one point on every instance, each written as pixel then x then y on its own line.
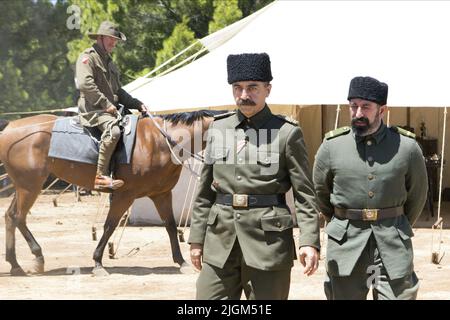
pixel 71 141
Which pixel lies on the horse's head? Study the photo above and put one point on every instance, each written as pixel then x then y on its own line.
pixel 189 128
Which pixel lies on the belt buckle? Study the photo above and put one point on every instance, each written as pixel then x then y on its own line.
pixel 240 200
pixel 370 214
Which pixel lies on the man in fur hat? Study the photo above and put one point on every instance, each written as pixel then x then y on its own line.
pixel 241 231
pixel 371 184
pixel 97 78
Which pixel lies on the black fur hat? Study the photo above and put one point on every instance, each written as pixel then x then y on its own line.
pixel 249 67
pixel 368 88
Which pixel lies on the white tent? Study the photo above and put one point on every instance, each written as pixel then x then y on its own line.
pixel 316 47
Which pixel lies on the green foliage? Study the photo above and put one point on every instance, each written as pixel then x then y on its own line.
pixel 225 13
pixel 35 75
pixel 38 50
pixel 182 37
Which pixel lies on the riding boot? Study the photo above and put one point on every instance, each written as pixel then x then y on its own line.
pixel 107 146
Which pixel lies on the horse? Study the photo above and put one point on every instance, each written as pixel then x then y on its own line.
pixel 153 173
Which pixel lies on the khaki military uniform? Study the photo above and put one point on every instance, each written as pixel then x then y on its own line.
pixel 97 78
pixel 380 171
pixel 251 248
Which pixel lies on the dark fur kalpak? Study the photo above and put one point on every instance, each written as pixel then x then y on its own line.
pixel 368 88
pixel 249 67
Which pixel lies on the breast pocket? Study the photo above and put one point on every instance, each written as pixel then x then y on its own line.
pixel 268 162
pixel 220 155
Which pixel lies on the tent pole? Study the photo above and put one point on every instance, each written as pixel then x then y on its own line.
pixel 338 110
pixel 439 222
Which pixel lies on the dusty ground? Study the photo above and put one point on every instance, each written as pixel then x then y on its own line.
pixel 65 236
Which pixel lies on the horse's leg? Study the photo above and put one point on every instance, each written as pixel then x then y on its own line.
pixel 10 226
pixel 25 200
pixel 119 203
pixel 163 204
pixel 16 217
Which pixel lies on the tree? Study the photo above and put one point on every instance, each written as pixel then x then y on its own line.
pixel 225 13
pixel 34 73
pixel 182 37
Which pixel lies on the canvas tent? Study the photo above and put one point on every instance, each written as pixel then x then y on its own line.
pixel 316 47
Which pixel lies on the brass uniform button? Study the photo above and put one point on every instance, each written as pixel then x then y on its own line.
pixel 371 194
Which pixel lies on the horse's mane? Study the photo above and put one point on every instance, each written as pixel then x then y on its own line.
pixel 189 118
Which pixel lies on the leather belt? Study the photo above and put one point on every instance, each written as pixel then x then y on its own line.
pixel 368 214
pixel 250 200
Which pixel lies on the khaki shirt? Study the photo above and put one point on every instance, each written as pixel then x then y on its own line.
pixel 382 170
pixel 271 161
pixel 98 80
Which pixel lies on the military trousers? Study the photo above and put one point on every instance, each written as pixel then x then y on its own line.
pixel 369 272
pixel 110 137
pixel 235 277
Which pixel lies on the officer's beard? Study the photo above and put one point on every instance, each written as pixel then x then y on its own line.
pixel 359 129
pixel 367 127
pixel 245 102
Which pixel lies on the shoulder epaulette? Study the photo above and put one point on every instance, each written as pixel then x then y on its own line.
pixel 223 115
pixel 337 132
pixel 403 132
pixel 287 119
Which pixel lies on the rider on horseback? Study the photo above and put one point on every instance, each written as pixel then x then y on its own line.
pixel 97 78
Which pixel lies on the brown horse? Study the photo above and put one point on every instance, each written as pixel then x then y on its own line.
pixel 24 145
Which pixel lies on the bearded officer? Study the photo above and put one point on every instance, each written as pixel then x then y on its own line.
pixel 371 184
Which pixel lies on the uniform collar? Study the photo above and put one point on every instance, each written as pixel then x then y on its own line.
pixel 102 53
pixel 376 136
pixel 256 121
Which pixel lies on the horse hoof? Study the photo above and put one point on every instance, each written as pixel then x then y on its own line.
pixel 17 272
pixel 100 272
pixel 38 265
pixel 186 268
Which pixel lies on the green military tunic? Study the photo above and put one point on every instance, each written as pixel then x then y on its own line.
pixel 98 80
pixel 382 170
pixel 263 155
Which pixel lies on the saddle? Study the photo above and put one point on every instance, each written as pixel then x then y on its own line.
pixel 71 141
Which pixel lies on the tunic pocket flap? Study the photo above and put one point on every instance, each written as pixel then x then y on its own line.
pixel 277 223
pixel 405 231
pixel 266 158
pixel 337 228
pixel 212 215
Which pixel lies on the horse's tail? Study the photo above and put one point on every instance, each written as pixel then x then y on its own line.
pixel 3 124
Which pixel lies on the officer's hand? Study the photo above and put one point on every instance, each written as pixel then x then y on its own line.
pixel 309 258
pixel 196 255
pixel 112 109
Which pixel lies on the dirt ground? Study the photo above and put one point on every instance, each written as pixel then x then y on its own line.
pixel 64 233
